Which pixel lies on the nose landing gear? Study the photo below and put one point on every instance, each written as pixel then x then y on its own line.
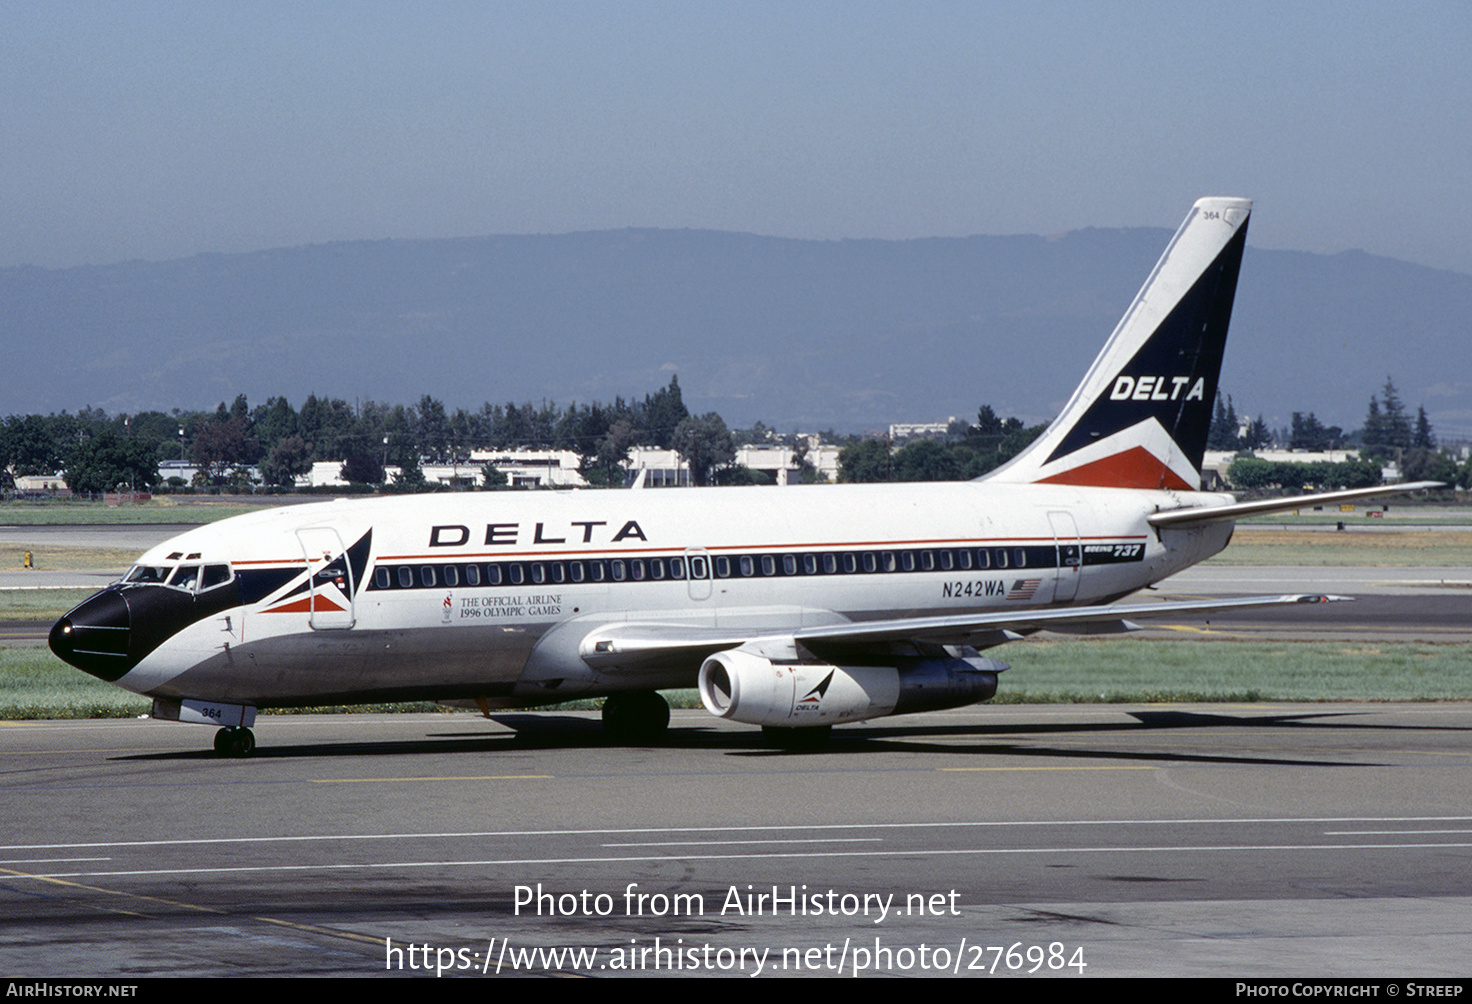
pixel 234 742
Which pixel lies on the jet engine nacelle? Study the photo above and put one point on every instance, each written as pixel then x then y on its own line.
pixel 746 687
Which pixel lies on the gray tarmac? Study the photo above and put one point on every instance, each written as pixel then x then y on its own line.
pixel 1432 605
pixel 1205 840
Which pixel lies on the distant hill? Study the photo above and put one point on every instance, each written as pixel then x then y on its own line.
pixel 800 334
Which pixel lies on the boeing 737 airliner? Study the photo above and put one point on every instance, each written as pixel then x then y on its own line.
pixel 790 608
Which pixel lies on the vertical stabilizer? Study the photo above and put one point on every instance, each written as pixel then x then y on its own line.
pixel 1140 417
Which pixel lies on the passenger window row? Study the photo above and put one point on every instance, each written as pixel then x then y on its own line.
pixel 720 566
pixel 519 573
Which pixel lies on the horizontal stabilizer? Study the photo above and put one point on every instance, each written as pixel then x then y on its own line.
pixel 1225 513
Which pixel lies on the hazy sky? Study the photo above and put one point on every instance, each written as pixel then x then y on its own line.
pixel 156 130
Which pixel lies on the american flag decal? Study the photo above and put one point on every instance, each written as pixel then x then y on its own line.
pixel 1023 589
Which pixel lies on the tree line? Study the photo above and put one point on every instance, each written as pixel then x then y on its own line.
pixel 1389 436
pixel 99 452
pixel 967 451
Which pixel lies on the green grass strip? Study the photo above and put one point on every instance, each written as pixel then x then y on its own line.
pixel 39 604
pixel 1143 671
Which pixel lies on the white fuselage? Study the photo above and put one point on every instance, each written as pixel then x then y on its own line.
pixel 488 595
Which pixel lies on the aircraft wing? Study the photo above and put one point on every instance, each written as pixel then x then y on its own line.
pixel 646 646
pixel 1235 511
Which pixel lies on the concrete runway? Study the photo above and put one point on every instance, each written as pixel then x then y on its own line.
pixel 1213 840
pixel 1389 604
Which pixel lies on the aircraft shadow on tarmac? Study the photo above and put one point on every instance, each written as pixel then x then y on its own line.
pixel 562 732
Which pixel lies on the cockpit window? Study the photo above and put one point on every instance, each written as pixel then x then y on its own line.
pixel 191 577
pixel 141 574
pixel 213 575
pixel 185 577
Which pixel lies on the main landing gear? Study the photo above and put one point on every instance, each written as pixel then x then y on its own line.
pixel 636 717
pixel 235 742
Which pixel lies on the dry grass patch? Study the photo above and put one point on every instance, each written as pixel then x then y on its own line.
pixel 59 557
pixel 1409 549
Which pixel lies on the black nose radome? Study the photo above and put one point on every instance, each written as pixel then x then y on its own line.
pixel 94 636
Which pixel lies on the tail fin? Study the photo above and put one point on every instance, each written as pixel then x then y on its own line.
pixel 1140 417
